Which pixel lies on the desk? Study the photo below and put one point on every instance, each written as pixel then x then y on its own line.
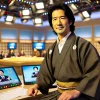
pixel 17 62
pixel 24 86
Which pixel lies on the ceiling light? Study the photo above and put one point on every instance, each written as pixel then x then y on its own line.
pixel 38 21
pixel 85 14
pixel 73 6
pixel 83 18
pixel 12 2
pixel 24 20
pixel 25 13
pixel 39 5
pixel 51 2
pixel 9 19
pixel 2 12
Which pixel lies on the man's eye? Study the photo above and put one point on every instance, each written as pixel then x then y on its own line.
pixel 54 19
pixel 63 17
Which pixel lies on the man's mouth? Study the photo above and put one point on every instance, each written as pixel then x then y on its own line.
pixel 60 27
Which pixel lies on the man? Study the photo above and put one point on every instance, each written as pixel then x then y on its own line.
pixel 1 55
pixel 71 61
pixel 3 77
pixel 11 53
pixel 35 73
pixel 21 53
pixel 36 53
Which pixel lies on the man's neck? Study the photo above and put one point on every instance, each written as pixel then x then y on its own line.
pixel 61 36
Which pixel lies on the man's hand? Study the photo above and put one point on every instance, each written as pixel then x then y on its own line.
pixel 33 90
pixel 68 95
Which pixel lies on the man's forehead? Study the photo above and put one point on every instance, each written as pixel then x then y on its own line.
pixel 58 12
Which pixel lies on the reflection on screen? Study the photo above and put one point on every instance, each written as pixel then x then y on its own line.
pixel 30 72
pixel 12 45
pixel 9 76
pixel 38 45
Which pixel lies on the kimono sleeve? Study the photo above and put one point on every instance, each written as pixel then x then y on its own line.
pixel 90 63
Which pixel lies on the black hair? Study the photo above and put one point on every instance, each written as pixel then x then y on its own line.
pixel 68 13
pixel 2 71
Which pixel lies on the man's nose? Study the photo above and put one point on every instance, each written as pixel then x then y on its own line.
pixel 59 21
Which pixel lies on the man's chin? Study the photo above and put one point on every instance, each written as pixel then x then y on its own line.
pixel 60 32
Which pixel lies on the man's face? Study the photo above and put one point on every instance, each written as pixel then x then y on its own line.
pixel 22 51
pixel 60 22
pixel 35 69
pixel 1 73
pixel 12 51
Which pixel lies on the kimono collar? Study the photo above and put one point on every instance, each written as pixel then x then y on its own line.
pixel 64 39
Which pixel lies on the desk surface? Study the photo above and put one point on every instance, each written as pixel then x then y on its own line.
pixel 17 62
pixel 24 86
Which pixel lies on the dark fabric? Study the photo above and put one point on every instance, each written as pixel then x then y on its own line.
pixel 20 54
pixel 10 54
pixel 80 64
pixel 4 79
pixel 54 96
pixel 1 56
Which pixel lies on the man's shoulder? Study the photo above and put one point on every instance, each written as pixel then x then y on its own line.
pixel 83 43
pixel 82 40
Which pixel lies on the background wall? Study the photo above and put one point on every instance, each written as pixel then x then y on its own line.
pixel 24 35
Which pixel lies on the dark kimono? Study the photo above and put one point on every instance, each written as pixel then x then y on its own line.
pixel 20 54
pixel 78 62
pixel 6 78
pixel 10 55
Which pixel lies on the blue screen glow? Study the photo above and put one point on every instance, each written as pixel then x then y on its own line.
pixel 38 45
pixel 12 45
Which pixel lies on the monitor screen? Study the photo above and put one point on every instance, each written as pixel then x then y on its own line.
pixel 12 45
pixel 30 73
pixel 8 78
pixel 38 45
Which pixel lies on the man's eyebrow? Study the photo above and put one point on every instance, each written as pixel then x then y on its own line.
pixel 60 16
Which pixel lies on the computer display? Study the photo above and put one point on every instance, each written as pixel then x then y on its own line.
pixel 38 45
pixel 8 78
pixel 30 73
pixel 12 45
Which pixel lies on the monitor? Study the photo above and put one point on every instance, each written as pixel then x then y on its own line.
pixel 8 78
pixel 30 73
pixel 38 45
pixel 12 45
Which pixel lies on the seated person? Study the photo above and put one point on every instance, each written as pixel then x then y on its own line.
pixel 36 53
pixel 72 62
pixel 1 55
pixel 43 53
pixel 11 53
pixel 4 77
pixel 21 53
pixel 35 73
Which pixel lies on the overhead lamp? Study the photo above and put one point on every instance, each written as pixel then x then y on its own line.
pixel 38 9
pixel 38 21
pixel 84 16
pixel 11 2
pixel 26 14
pixel 24 20
pixel 10 19
pixel 2 12
pixel 39 5
pixel 51 2
pixel 73 7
